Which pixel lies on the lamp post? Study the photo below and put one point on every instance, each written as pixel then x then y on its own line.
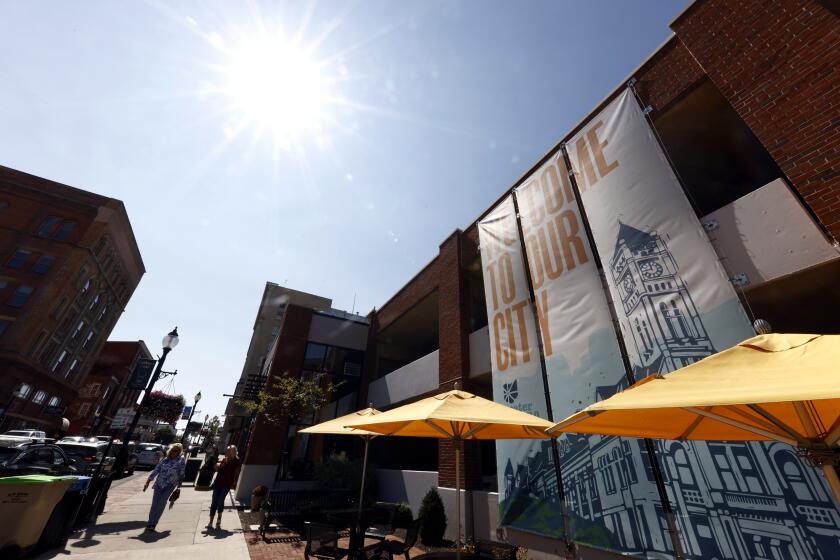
pixel 169 342
pixel 206 417
pixel 192 411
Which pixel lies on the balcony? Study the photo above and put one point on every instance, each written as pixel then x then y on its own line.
pixel 766 235
pixel 414 379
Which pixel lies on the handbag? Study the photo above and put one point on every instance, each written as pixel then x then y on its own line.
pixel 174 496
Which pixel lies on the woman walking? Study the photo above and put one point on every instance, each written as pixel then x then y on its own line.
pixel 169 473
pixel 227 472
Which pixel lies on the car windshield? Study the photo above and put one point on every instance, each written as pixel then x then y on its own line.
pixel 79 451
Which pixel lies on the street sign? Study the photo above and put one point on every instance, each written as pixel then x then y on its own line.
pixel 121 418
pixel 141 374
pixel 186 413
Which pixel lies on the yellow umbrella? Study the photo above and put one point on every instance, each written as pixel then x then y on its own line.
pixel 782 387
pixel 456 415
pixel 336 426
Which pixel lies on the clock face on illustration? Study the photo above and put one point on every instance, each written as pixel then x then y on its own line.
pixel 628 283
pixel 651 269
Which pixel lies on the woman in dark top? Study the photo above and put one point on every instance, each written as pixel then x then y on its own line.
pixel 227 472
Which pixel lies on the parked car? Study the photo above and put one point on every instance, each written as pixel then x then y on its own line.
pixel 87 456
pixel 149 454
pixel 17 437
pixel 77 439
pixel 131 460
pixel 36 458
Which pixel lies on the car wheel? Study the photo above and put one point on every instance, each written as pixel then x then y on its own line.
pixel 131 472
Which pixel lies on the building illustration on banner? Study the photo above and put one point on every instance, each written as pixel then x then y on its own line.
pixel 732 499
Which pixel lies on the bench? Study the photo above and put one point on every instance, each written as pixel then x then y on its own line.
pixel 295 506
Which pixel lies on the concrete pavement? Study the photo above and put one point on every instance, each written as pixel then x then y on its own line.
pixel 118 532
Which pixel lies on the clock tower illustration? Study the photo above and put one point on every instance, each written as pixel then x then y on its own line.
pixel 661 320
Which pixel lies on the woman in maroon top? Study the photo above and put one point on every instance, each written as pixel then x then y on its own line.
pixel 227 472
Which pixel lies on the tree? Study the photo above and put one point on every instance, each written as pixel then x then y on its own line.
pixel 434 518
pixel 161 406
pixel 210 432
pixel 290 398
pixel 164 435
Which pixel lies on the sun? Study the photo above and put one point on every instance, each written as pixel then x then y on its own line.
pixel 277 88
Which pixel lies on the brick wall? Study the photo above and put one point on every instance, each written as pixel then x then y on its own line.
pixel 667 75
pixel 268 441
pixel 778 65
pixel 454 355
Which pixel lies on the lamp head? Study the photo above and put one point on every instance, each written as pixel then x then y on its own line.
pixel 170 341
pixel 198 396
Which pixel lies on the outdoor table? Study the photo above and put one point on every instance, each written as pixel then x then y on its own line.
pixel 350 518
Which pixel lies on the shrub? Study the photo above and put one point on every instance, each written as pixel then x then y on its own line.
pixel 434 518
pixel 338 473
pixel 403 516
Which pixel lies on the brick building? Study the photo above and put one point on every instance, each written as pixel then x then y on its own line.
pixel 266 328
pixel 105 389
pixel 68 265
pixel 745 99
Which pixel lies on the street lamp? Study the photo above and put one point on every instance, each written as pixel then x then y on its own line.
pixel 169 342
pixel 192 411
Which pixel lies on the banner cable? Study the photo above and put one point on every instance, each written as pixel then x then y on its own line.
pixel 555 454
pixel 628 369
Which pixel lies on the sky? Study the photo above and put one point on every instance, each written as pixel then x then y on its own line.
pixel 326 146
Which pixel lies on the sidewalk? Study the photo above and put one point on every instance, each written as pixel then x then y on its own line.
pixel 118 533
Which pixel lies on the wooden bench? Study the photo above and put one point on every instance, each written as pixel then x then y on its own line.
pixel 296 506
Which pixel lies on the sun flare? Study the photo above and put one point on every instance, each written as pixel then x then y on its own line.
pixel 277 88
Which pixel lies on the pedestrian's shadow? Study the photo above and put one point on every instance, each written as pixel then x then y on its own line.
pixel 87 539
pixel 218 533
pixel 150 537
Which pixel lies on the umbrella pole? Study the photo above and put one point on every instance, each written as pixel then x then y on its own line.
pixel 364 476
pixel 457 443
pixel 833 480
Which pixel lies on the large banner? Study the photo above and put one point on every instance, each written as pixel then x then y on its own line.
pixel 583 360
pixel 528 496
pixel 675 306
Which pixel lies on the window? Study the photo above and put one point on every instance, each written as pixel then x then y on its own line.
pixel 102 314
pixel 4 324
pixel 43 264
pixel 54 401
pixel 95 302
pixel 87 341
pixel 3 205
pixel 72 370
pixel 39 397
pixel 19 259
pixel 64 231
pixel 84 408
pixel 85 288
pixel 23 391
pixel 20 296
pixel 48 352
pixel 79 328
pixel 47 226
pixel 59 361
